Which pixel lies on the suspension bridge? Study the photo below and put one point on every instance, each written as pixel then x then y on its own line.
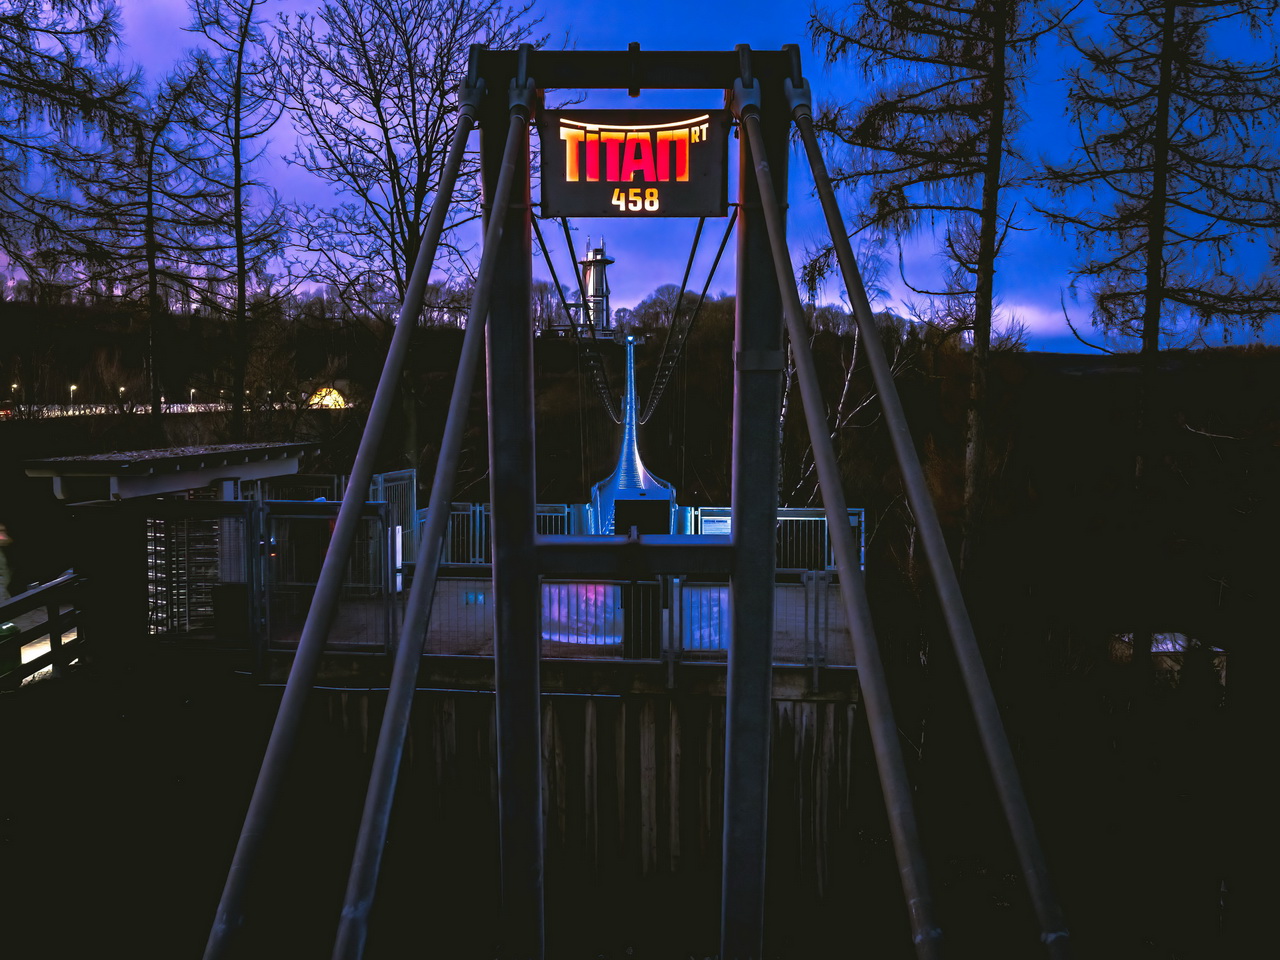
pixel 690 601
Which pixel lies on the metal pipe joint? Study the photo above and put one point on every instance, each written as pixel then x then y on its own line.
pixel 470 93
pixel 520 99
pixel 799 97
pixel 522 94
pixel 744 101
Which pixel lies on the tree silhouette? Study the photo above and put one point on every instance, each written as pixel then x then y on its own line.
pixel 371 87
pixel 156 210
pixel 935 147
pixel 58 97
pixel 238 110
pixel 1177 143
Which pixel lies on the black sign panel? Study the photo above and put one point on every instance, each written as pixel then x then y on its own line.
pixel 634 163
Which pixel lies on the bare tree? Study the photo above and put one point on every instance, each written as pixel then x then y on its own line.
pixel 658 309
pixel 239 109
pixel 371 87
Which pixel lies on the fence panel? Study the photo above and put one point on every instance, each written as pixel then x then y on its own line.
pixel 182 568
pixel 582 615
pixel 298 536
pixel 839 648
pixel 803 541
pixel 399 491
pixel 461 617
pixel 705 620
pixel 791 622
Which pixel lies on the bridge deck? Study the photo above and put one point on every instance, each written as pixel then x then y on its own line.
pixel 574 625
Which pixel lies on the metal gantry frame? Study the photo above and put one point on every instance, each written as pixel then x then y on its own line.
pixel 766 91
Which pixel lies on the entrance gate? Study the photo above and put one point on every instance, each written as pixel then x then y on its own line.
pixel 503 93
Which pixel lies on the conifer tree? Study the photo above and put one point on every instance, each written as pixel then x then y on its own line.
pixel 58 97
pixel 238 110
pixel 1178 148
pixel 156 211
pixel 935 147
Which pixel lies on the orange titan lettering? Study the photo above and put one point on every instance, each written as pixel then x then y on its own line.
pixel 571 138
pixel 638 158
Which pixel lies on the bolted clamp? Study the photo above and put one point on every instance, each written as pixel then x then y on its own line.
pixel 520 98
pixel 471 90
pixel 470 93
pixel 745 99
pixel 521 95
pixel 799 98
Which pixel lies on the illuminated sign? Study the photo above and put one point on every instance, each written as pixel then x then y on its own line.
pixel 634 163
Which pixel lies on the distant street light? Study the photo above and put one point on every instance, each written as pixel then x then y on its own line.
pixel 73 397
pixel 192 398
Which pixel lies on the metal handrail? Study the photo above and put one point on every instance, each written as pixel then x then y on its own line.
pixel 57 622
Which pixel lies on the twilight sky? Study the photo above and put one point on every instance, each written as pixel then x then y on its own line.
pixel 1030 278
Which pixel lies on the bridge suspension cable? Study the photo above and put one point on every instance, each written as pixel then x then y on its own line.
pixel 678 329
pixel 589 346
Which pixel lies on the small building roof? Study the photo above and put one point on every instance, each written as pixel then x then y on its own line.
pixel 122 475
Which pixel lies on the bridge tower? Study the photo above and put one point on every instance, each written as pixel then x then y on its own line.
pixel 631 496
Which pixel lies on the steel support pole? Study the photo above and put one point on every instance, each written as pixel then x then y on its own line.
pixel 315 631
pixel 517 603
pixel 1054 932
pixel 871 678
pixel 363 879
pixel 757 399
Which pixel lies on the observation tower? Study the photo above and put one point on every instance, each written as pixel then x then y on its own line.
pixel 595 312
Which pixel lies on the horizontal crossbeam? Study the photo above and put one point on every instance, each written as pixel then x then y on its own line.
pixel 638 558
pixel 632 69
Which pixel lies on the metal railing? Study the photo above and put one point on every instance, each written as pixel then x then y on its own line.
pixel 399 491
pixel 467 538
pixel 803 537
pixel 667 618
pixel 39 631
pixel 243 573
